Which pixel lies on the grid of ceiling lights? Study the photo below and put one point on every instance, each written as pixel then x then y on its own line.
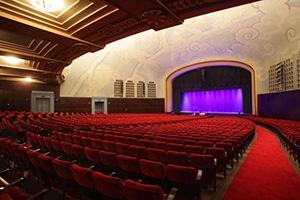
pixel 48 5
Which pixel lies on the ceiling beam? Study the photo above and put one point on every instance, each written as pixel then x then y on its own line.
pixel 31 56
pixel 30 28
pixel 175 18
pixel 26 68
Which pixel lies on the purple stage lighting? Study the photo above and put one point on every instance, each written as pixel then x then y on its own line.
pixel 229 101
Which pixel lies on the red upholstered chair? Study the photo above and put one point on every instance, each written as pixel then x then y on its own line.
pixel 48 144
pixel 185 179
pixel 57 147
pixel 35 162
pixel 152 169
pixel 137 191
pixel 145 143
pixel 207 164
pixel 67 149
pixel 108 186
pixel 86 141
pixel 82 176
pixel 157 155
pixel 78 153
pixel 63 172
pixel 205 144
pixel 175 147
pixel 194 149
pixel 97 143
pixel 92 155
pixel 69 138
pixel 109 160
pixel 122 148
pixel 159 145
pixel 62 169
pixel 137 151
pixel 129 165
pixel 109 146
pixel 132 141
pixel 77 139
pixel 229 151
pixel 177 158
pixel 46 165
pixel 220 156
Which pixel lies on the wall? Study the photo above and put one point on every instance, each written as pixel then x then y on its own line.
pixel 17 95
pixel 135 105
pixel 259 34
pixel 73 104
pixel 285 105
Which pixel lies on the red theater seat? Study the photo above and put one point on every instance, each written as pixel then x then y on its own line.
pixel 82 176
pixel 108 186
pixel 152 169
pixel 177 158
pixel 137 191
pixel 157 155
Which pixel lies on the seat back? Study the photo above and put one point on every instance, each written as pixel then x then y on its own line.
pixel 177 158
pixel 62 169
pixel 152 169
pixel 157 155
pixel 181 175
pixel 82 176
pixel 108 185
pixel 137 191
pixel 128 164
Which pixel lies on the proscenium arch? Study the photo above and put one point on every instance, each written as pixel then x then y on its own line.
pixel 184 69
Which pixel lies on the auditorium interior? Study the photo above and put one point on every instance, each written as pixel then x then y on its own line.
pixel 150 99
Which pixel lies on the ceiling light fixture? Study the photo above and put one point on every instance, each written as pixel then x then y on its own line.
pixel 12 60
pixel 28 79
pixel 48 5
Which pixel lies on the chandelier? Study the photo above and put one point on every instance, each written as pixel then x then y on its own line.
pixel 48 5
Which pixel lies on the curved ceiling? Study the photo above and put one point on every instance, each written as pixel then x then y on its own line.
pixel 48 42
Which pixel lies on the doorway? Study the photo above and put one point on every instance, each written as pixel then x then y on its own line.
pixel 42 101
pixel 42 104
pixel 99 107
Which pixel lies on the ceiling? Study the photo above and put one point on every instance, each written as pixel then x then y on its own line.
pixel 48 42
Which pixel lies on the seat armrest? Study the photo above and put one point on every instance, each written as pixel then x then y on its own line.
pixel 172 193
pixel 92 167
pixel 47 153
pixel 113 173
pixel 6 184
pixel 199 175
pixel 5 170
pixel 39 194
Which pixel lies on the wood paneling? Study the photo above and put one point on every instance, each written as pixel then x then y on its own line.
pixel 73 104
pixel 17 95
pixel 135 105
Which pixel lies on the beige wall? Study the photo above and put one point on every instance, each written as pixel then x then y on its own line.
pixel 259 34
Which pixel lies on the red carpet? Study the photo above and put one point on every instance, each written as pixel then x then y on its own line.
pixel 266 173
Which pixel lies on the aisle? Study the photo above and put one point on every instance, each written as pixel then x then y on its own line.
pixel 266 173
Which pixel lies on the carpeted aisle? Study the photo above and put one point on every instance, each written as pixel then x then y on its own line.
pixel 266 173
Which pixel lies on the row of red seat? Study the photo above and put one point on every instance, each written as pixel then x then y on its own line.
pixel 50 168
pixel 289 133
pixel 108 156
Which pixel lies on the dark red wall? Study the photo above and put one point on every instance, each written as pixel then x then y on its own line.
pixel 135 105
pixel 73 104
pixel 16 95
pixel 284 105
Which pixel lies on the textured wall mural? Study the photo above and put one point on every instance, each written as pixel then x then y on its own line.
pixel 259 34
